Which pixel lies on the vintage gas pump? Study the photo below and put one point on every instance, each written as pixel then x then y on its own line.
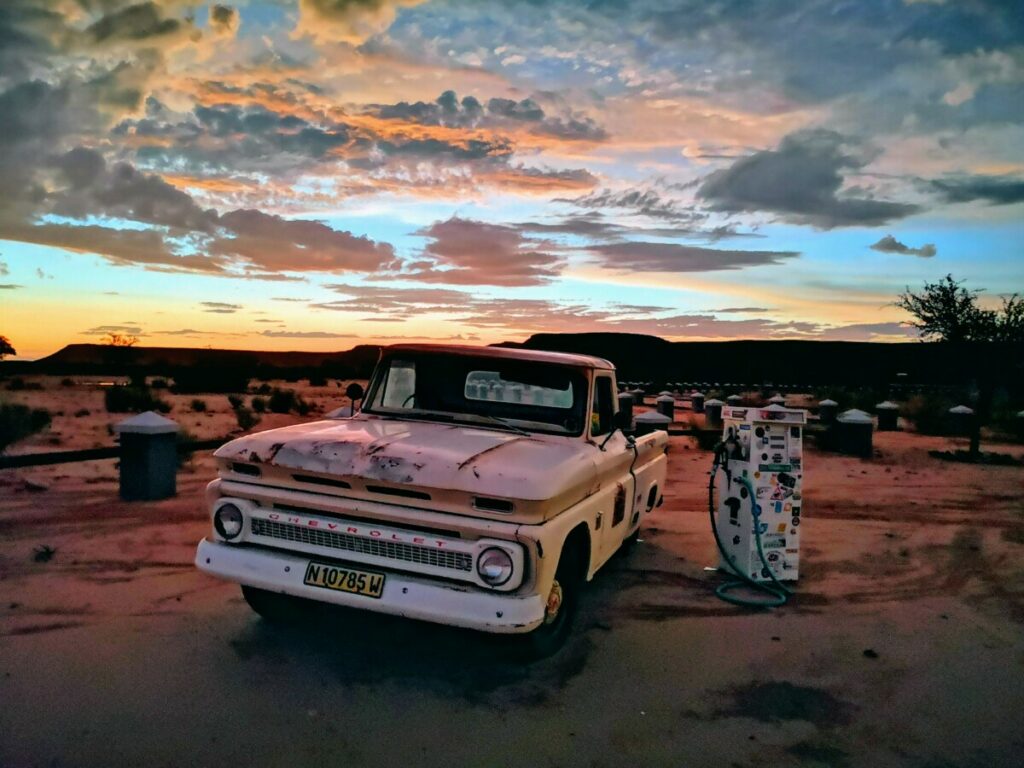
pixel 757 480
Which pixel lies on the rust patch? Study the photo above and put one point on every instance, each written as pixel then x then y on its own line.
pixel 478 454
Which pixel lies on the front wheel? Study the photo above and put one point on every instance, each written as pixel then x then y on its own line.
pixel 559 614
pixel 273 606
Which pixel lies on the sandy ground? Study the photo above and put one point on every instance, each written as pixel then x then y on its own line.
pixel 904 645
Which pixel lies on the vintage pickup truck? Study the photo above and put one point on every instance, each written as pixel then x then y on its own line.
pixel 479 487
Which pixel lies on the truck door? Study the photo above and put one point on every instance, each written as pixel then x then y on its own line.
pixel 617 491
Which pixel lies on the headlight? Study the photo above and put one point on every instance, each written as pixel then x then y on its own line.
pixel 228 521
pixel 494 566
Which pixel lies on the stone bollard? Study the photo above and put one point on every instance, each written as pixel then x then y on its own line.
pixel 888 416
pixel 149 457
pixel 626 407
pixel 638 396
pixel 697 402
pixel 651 421
pixel 776 399
pixel 734 400
pixel 666 405
pixel 961 419
pixel 827 411
pixel 854 433
pixel 713 414
pixel 1019 425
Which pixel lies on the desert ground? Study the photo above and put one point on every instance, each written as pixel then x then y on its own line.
pixel 904 644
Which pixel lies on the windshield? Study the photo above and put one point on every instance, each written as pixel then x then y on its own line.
pixel 507 394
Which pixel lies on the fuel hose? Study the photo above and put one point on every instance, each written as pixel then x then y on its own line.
pixel 775 593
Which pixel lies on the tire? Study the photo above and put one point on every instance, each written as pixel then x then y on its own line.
pixel 273 606
pixel 550 636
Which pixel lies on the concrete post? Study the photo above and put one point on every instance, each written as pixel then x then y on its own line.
pixel 697 402
pixel 734 400
pixel 666 405
pixel 888 415
pixel 650 421
pixel 776 399
pixel 713 413
pixel 149 457
pixel 961 419
pixel 855 433
pixel 827 411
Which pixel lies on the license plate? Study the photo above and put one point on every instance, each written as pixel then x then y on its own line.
pixel 344 579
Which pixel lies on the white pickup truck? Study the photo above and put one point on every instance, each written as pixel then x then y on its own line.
pixel 479 487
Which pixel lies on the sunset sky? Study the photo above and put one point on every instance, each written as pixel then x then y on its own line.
pixel 314 174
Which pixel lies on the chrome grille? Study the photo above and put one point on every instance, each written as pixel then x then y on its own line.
pixel 392 550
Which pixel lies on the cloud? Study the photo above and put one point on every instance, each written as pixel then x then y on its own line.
pixel 994 190
pixel 348 21
pixel 224 20
pixel 497 114
pixel 142 22
pixel 869 332
pixel 639 201
pixel 801 181
pixel 674 257
pixel 395 303
pixel 307 335
pixel 9 287
pixel 220 307
pixel 890 244
pixel 4 269
pixel 104 330
pixel 466 252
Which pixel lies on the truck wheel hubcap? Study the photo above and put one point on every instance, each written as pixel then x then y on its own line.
pixel 554 603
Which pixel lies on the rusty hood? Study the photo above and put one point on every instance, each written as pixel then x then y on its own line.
pixel 428 455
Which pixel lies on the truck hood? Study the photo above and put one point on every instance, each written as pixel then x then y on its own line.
pixel 428 455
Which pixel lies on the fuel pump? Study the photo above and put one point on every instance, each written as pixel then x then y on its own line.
pixel 758 474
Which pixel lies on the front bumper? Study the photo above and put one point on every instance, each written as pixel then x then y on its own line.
pixel 404 595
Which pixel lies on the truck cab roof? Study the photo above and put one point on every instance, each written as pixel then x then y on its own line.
pixel 505 353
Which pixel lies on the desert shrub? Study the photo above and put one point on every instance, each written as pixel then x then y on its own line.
pixel 930 413
pixel 133 400
pixel 199 406
pixel 259 405
pixel 16 384
pixel 246 418
pixel 283 401
pixel 81 412
pixel 303 407
pixel 159 384
pixel 211 378
pixel 67 382
pixel 317 380
pixel 264 389
pixel 235 401
pixel 20 421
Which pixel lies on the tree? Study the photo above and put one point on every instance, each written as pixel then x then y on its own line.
pixel 946 311
pixel 120 340
pixel 6 348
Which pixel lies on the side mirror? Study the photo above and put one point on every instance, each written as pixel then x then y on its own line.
pixel 624 420
pixel 354 391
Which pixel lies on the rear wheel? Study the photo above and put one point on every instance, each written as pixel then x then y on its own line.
pixel 273 606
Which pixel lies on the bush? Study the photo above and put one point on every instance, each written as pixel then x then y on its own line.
pixel 20 421
pixel 930 413
pixel 246 418
pixel 283 401
pixel 67 382
pixel 159 384
pixel 16 384
pixel 206 378
pixel 81 412
pixel 184 437
pixel 235 402
pixel 317 380
pixel 259 405
pixel 199 406
pixel 133 400
pixel 264 389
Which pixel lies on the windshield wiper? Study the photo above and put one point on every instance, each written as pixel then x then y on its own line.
pixel 499 421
